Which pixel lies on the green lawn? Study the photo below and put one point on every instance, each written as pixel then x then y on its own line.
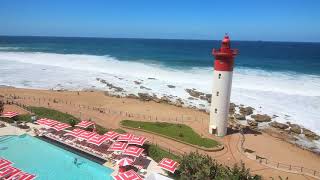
pixel 52 114
pixel 177 131
pixel 42 112
pixel 157 154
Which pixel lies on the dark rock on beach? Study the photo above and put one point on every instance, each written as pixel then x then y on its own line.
pixel 295 128
pixel 246 110
pixel 309 134
pixel 156 99
pixel 252 123
pixel 111 86
pixel 261 118
pixel 132 96
pixel 165 99
pixel 194 93
pixel 142 87
pixel 178 103
pixel 171 86
pixel 203 97
pixel 144 97
pixel 208 96
pixel 240 116
pixel 278 125
pixel 232 108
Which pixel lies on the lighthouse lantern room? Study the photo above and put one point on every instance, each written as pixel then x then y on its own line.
pixel 222 82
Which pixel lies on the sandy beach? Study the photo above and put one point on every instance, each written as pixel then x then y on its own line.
pixel 109 111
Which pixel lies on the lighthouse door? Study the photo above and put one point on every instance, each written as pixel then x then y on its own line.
pixel 214 130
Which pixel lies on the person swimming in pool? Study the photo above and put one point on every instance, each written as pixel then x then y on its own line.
pixel 75 161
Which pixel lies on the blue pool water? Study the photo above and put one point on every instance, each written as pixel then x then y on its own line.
pixel 48 161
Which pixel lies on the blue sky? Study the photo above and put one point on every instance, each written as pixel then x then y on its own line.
pixel 272 20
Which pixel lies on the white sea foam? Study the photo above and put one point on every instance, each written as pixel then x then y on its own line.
pixel 293 97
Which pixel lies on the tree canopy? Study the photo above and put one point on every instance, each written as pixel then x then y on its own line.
pixel 197 166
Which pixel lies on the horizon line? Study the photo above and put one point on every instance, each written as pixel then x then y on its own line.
pixel 104 37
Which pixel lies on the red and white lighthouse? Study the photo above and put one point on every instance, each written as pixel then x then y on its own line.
pixel 222 82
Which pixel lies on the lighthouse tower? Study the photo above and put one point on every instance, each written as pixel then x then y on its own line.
pixel 222 81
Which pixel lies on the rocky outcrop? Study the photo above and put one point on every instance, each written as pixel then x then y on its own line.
pixel 252 123
pixel 178 103
pixel 209 96
pixel 246 110
pixel 171 86
pixel 206 97
pixel 132 96
pixel 261 118
pixel 240 116
pixel 111 86
pixel 142 87
pixel 137 82
pixel 145 97
pixel 278 125
pixel 165 99
pixel 309 134
pixel 194 93
pixel 295 128
pixel 156 99
pixel 152 78
pixel 232 108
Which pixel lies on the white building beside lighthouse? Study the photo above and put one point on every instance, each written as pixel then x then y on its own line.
pixel 222 82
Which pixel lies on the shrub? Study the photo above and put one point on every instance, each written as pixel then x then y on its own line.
pixel 157 154
pixel 180 134
pixel 8 120
pixel 23 118
pixel 198 166
pixel 72 122
pixel 1 106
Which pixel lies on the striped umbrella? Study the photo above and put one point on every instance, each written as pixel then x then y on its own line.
pixel 75 132
pixel 47 122
pixel 128 175
pixel 4 163
pixel 118 146
pixel 112 134
pixel 168 164
pixel 125 161
pixel 98 139
pixel 22 176
pixel 85 124
pixel 8 171
pixel 86 135
pixel 133 151
pixel 137 140
pixel 9 114
pixel 125 137
pixel 60 126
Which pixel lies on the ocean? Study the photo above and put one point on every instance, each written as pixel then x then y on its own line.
pixel 276 78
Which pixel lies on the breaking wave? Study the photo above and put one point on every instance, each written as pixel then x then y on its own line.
pixel 291 96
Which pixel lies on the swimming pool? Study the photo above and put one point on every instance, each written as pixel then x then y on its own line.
pixel 48 161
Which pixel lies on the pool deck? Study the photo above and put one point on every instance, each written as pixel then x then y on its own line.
pixel 12 130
